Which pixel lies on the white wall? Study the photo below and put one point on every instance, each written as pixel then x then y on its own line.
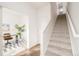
pixel 33 28
pixel 25 9
pixel 53 12
pixel 21 7
pixel 74 13
pixel 25 20
pixel 1 43
pixel 0 15
pixel 10 17
pixel 41 20
pixel 64 7
pixel 46 16
pixel 22 13
pixel 73 36
pixel 72 18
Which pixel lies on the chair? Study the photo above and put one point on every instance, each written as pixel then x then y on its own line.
pixel 7 37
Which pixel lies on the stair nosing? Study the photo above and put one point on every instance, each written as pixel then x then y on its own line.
pixel 61 41
pixel 58 52
pixel 61 45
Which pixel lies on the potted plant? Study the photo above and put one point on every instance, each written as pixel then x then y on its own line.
pixel 20 30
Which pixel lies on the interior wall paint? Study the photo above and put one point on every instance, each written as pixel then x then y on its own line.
pixel 1 40
pixel 53 11
pixel 74 12
pixel 64 7
pixel 46 18
pixel 11 17
pixel 33 28
pixel 25 21
pixel 43 20
pixel 21 7
pixel 73 36
pixel 0 15
pixel 28 10
pixel 48 30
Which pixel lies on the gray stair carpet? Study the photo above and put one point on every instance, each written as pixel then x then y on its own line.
pixel 59 44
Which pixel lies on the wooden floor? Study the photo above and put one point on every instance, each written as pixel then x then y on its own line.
pixel 34 51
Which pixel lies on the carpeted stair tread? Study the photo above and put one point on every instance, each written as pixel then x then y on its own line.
pixel 63 45
pixel 62 52
pixel 59 43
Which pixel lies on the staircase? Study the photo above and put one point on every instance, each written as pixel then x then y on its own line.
pixel 59 44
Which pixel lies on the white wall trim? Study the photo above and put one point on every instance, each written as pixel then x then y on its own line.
pixel 72 26
pixel 28 46
pixel 41 45
pixel 50 23
pixel 74 37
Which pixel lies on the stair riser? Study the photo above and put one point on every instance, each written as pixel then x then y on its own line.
pixel 60 52
pixel 60 41
pixel 61 45
pixel 53 46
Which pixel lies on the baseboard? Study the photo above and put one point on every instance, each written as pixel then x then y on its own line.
pixel 35 46
pixel 47 34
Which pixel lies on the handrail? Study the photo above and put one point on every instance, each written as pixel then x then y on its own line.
pixel 71 25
